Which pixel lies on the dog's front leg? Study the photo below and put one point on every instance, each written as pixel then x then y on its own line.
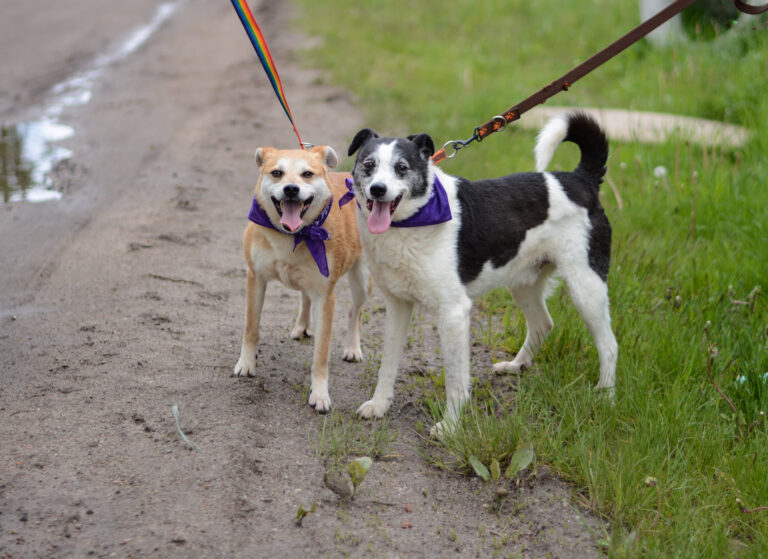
pixel 453 328
pixel 395 332
pixel 322 317
pixel 255 287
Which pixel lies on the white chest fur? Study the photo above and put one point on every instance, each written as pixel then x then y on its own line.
pixel 274 258
pixel 417 264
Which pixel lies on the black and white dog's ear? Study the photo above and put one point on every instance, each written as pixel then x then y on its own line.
pixel 424 143
pixel 360 138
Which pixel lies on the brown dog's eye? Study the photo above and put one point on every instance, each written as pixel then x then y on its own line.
pixel 277 173
pixel 307 174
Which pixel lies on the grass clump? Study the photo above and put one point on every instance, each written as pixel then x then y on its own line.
pixel 343 436
pixel 487 432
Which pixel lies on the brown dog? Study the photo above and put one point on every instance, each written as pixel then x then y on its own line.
pixel 299 236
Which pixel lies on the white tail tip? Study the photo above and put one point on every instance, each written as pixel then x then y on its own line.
pixel 553 133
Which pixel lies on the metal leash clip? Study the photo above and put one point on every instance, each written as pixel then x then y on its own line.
pixel 459 144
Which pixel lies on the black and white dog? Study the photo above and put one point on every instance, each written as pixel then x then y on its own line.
pixel 440 241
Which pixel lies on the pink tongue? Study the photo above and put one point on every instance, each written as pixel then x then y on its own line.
pixel 380 219
pixel 291 217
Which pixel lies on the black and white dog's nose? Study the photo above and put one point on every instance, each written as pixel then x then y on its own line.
pixel 378 190
pixel 291 190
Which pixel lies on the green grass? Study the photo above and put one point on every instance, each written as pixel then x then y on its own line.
pixel 343 437
pixel 689 250
pixel 488 430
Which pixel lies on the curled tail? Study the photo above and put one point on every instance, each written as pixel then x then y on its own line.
pixel 581 129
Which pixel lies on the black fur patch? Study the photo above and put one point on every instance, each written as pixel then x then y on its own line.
pixel 496 214
pixel 592 142
pixel 416 158
pixel 600 244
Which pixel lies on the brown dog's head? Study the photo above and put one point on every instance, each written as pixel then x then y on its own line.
pixel 293 187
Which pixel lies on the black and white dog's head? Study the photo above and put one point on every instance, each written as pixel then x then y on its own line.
pixel 393 176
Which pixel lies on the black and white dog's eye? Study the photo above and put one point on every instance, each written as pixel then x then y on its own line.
pixel 277 173
pixel 368 165
pixel 401 168
pixel 307 174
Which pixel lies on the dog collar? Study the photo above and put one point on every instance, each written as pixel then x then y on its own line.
pixel 313 235
pixel 436 210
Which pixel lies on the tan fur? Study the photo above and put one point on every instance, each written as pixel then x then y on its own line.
pixel 270 255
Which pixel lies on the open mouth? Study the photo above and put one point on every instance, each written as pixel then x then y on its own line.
pixel 380 217
pixel 291 212
pixel 392 205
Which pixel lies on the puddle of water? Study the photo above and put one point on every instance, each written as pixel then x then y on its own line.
pixel 28 152
pixel 27 155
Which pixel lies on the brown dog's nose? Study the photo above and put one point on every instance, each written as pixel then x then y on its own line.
pixel 291 190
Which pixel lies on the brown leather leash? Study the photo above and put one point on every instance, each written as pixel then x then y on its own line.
pixel 563 83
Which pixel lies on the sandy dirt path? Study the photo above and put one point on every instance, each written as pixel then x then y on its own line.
pixel 126 298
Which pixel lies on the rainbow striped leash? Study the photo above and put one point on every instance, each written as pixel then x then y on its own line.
pixel 260 45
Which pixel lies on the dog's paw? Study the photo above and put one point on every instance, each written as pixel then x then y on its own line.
pixel 353 354
pixel 246 367
pixel 320 400
pixel 516 366
pixel 300 332
pixel 373 408
pixel 441 429
pixel 608 392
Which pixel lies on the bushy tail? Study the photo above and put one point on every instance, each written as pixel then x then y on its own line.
pixel 580 129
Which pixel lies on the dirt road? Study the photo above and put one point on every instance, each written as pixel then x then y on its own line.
pixel 126 298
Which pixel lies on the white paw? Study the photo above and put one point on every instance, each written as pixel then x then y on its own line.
pixel 440 429
pixel 516 366
pixel 353 354
pixel 607 391
pixel 246 366
pixel 373 408
pixel 300 332
pixel 320 400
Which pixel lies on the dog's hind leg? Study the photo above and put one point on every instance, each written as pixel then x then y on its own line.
pixel 532 300
pixel 358 284
pixel 301 328
pixel 395 333
pixel 453 328
pixel 590 296
pixel 322 318
pixel 255 287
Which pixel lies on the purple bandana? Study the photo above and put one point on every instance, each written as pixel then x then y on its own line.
pixel 436 210
pixel 314 235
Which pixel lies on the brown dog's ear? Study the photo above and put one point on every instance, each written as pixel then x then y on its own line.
pixel 360 138
pixel 328 155
pixel 424 143
pixel 261 155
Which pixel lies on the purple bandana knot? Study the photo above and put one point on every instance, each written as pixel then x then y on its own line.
pixel 313 235
pixel 436 210
pixel 349 195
